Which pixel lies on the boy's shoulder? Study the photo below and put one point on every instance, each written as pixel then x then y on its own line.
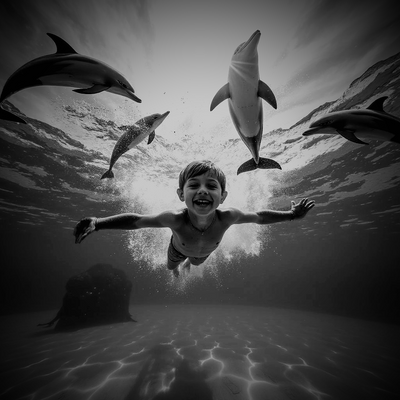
pixel 177 215
pixel 227 214
pixel 174 214
pixel 171 218
pixel 227 211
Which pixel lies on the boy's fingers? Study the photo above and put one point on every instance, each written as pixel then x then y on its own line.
pixel 78 238
pixel 80 233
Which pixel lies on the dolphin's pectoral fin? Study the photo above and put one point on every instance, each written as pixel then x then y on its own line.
pixel 62 46
pixel 265 92
pixel 151 137
pixel 92 90
pixel 263 163
pixel 220 96
pixel 377 105
pixel 349 135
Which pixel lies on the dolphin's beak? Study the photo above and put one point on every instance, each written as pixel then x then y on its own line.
pixel 160 119
pixel 313 130
pixel 132 96
pixel 164 115
pixel 253 40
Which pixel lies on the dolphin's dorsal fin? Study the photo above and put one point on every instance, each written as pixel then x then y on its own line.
pixel 221 95
pixel 62 46
pixel 151 137
pixel 377 105
pixel 265 93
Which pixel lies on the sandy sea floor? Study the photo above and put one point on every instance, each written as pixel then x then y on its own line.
pixel 201 352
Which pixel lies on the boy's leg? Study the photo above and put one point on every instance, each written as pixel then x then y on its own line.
pixel 173 266
pixel 174 259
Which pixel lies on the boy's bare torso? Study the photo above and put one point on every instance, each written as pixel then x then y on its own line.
pixel 192 242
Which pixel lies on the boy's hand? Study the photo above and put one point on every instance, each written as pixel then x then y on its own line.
pixel 299 210
pixel 83 228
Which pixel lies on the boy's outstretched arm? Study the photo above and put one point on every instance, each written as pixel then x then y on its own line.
pixel 296 211
pixel 126 221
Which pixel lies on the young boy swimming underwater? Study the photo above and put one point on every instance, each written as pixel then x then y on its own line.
pixel 197 230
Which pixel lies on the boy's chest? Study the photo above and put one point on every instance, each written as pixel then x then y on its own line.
pixel 189 236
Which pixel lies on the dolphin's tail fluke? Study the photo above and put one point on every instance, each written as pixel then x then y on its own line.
pixel 108 174
pixel 263 163
pixel 6 115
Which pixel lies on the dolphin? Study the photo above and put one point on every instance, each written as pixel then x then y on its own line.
pixel 137 133
pixel 66 68
pixel 355 125
pixel 244 92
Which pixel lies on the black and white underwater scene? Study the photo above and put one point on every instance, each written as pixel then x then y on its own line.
pixel 104 103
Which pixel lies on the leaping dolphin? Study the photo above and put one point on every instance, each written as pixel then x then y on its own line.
pixel 244 92
pixel 66 68
pixel 137 133
pixel 355 125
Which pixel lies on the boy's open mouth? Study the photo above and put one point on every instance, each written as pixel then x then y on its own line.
pixel 202 203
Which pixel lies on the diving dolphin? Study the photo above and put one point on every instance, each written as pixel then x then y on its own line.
pixel 356 125
pixel 137 133
pixel 244 92
pixel 66 68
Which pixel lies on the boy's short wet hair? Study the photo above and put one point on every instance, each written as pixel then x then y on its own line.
pixel 197 168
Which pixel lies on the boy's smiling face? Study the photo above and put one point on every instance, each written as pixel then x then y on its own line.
pixel 202 194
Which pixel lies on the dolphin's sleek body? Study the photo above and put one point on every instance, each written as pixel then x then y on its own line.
pixel 244 92
pixel 66 68
pixel 356 125
pixel 137 133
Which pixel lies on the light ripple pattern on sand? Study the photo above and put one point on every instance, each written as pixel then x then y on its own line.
pixel 207 352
